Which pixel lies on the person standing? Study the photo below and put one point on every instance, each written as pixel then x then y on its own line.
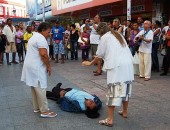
pixel 167 56
pixel 113 49
pixel 10 32
pixel 2 45
pixel 155 46
pixel 22 29
pixel 145 50
pixel 58 39
pixel 94 41
pixel 132 46
pixel 117 26
pixel 35 69
pixel 74 36
pixel 19 44
pixel 28 34
pixel 140 23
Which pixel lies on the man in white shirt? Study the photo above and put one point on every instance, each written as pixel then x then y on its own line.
pixel 10 32
pixel 94 41
pixel 145 50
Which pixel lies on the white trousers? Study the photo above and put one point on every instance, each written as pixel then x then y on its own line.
pixel 145 63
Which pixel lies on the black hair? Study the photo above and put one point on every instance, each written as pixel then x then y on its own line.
pixel 43 26
pixel 158 23
pixel 73 25
pixel 17 26
pixel 92 113
pixel 9 19
pixel 98 16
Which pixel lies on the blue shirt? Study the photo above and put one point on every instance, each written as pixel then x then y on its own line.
pixel 141 27
pixel 79 96
pixel 58 32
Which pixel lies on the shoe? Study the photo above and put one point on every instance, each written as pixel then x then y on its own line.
pixel 121 113
pixel 8 63
pixel 146 79
pixel 97 74
pixel 163 74
pixel 48 114
pixel 14 62
pixel 105 122
pixel 36 111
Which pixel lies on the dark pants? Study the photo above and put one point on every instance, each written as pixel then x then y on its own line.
pixel 132 49
pixel 51 51
pixel 167 60
pixel 155 61
pixel 85 53
pixel 74 50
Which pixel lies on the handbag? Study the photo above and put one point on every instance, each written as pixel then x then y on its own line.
pixel 163 52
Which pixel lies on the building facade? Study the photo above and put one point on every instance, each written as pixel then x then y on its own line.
pixel 11 10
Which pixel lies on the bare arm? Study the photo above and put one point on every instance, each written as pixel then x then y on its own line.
pixel 44 56
pixel 94 61
pixel 120 29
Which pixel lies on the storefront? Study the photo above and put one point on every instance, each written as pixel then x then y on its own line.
pixel 107 9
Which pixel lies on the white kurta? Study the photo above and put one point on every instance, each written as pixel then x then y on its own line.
pixel 34 70
pixel 118 60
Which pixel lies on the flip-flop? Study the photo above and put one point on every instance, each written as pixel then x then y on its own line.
pixel 49 114
pixel 105 122
pixel 121 113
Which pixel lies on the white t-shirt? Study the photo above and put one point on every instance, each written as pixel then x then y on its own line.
pixel 34 70
pixel 94 36
pixel 165 29
pixel 144 46
pixel 10 35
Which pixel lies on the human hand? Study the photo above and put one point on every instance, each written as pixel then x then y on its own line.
pixel 86 63
pixel 49 70
pixel 62 93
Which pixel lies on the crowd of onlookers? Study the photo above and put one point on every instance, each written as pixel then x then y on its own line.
pixel 143 37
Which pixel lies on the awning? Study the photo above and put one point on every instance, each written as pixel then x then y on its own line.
pixel 20 19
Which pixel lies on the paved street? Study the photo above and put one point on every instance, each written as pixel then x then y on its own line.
pixel 149 107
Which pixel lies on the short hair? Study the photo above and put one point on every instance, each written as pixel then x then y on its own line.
pixel 17 26
pixel 98 16
pixel 92 113
pixel 9 19
pixel 43 26
pixel 158 23
pixel 73 25
pixel 149 22
pixel 117 20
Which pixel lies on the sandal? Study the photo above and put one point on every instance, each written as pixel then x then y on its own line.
pixel 147 79
pixel 36 111
pixel 121 113
pixel 105 122
pixel 48 114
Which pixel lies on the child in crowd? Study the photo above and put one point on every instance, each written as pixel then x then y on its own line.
pixel 85 45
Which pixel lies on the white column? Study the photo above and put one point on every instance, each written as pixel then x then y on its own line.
pixel 129 9
pixel 43 9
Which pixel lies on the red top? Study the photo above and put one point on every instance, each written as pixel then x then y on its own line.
pixel 168 33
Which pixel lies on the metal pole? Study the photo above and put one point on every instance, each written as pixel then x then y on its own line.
pixel 129 9
pixel 43 9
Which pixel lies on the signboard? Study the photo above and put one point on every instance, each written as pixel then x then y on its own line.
pixel 63 4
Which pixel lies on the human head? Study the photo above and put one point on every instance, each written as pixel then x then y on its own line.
pixel 73 26
pixel 128 23
pixel 147 24
pixel 135 26
pixel 91 109
pixel 29 29
pixel 140 20
pixel 68 27
pixel 97 18
pixel 109 24
pixel 9 21
pixel 87 21
pixel 103 29
pixel 21 26
pixel 45 29
pixel 157 24
pixel 57 23
pixel 169 23
pixel 116 22
pixel 16 27
pixel 85 29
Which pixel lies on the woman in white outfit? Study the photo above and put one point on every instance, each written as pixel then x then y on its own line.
pixel 36 67
pixel 118 63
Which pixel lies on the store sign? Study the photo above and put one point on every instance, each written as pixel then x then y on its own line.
pixel 63 4
pixel 106 13
pixel 135 9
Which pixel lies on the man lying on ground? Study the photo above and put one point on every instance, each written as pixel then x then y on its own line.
pixel 74 100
